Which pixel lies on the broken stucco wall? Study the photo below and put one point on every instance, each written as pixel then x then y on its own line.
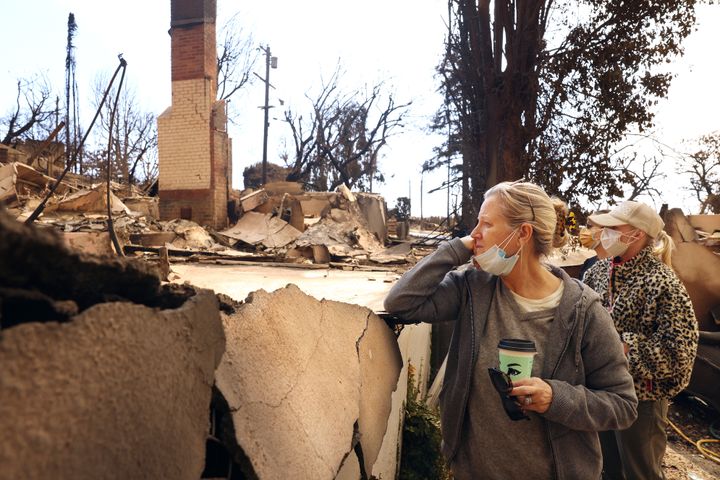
pixel 414 344
pixel 375 213
pixel 307 381
pixel 121 391
pixel 697 266
pixel 36 260
pixel 104 372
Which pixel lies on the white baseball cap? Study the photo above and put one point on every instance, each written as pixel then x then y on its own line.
pixel 637 214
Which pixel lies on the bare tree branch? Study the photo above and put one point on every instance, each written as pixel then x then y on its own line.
pixel 340 140
pixel 30 111
pixel 236 58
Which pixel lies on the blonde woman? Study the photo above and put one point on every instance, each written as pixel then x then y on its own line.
pixel 579 383
pixel 655 319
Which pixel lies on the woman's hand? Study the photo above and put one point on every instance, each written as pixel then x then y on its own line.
pixel 533 394
pixel 469 242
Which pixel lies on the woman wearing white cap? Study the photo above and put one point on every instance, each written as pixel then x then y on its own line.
pixel 656 322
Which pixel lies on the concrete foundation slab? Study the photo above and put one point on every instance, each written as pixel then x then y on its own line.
pixel 237 281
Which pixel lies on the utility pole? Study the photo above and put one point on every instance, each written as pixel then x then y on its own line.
pixel 269 61
pixel 70 94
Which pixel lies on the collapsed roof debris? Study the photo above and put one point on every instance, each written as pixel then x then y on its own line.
pixel 91 200
pixel 255 228
pixel 19 181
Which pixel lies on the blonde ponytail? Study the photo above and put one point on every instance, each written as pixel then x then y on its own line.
pixel 664 246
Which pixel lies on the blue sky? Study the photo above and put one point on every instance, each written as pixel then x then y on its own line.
pixel 397 41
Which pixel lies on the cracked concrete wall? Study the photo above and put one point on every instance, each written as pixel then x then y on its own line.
pixel 305 381
pixel 414 344
pixel 119 391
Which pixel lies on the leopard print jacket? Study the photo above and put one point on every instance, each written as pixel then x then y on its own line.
pixel 655 318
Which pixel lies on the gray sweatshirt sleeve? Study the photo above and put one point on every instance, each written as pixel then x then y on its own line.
pixel 607 400
pixel 431 291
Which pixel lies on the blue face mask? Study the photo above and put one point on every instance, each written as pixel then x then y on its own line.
pixel 495 260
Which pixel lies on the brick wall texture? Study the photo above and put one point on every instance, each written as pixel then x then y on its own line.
pixel 193 146
pixel 194 156
pixel 194 53
pixel 184 137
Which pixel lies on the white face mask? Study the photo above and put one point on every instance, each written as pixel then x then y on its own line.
pixel 611 241
pixel 495 261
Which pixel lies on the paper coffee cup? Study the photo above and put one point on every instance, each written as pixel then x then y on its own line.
pixel 516 357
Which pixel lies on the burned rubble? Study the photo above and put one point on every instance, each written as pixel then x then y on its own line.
pixel 42 276
pixel 697 263
pixel 278 223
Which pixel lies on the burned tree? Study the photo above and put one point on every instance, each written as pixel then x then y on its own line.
pixel 703 166
pixel 639 175
pixel 253 178
pixel 32 115
pixel 339 141
pixel 546 90
pixel 134 137
pixel 236 58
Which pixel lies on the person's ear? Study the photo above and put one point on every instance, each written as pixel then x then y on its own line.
pixel 525 234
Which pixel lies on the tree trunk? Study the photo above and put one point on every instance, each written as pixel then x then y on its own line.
pixel 497 83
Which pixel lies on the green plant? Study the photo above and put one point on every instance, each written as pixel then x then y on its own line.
pixel 421 458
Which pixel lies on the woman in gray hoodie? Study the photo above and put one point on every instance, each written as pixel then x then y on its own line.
pixel 579 383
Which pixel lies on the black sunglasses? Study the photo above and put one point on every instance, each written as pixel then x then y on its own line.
pixel 502 383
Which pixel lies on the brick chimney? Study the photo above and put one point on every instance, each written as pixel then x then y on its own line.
pixel 193 145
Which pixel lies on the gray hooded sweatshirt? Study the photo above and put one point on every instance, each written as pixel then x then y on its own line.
pixel 584 363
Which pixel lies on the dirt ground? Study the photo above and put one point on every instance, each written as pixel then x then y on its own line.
pixel 682 460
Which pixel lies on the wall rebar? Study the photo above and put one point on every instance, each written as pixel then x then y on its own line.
pixel 113 112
